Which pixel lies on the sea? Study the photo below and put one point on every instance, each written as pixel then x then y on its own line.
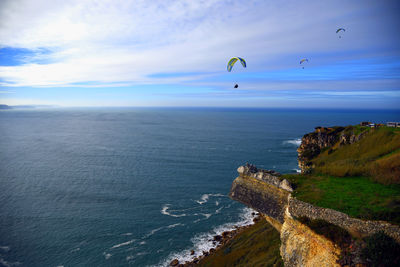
pixel 137 186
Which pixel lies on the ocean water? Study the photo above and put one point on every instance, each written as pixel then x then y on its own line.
pixel 136 187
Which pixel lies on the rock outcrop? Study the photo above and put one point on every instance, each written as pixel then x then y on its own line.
pixel 268 193
pixel 312 144
pixel 300 246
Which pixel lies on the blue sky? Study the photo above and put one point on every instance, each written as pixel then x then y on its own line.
pixel 174 53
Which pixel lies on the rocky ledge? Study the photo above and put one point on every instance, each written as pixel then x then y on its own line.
pixel 266 192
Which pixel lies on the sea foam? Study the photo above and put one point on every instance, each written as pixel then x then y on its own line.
pixel 123 244
pixel 204 241
pixel 165 211
pixel 296 142
pixel 204 198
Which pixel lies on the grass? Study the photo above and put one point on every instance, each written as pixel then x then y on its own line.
pixel 356 196
pixel 377 155
pixel 357 129
pixel 256 246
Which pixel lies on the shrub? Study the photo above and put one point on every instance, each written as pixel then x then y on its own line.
pixel 381 250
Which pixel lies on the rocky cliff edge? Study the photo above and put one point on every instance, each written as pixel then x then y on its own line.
pixel 266 192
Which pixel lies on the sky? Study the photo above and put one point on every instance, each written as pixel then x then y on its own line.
pixel 174 53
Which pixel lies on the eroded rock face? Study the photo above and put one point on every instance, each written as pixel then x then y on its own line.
pixel 312 144
pixel 269 176
pixel 300 246
pixel 261 196
pixel 323 137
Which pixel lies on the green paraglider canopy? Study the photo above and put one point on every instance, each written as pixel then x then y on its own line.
pixel 340 29
pixel 232 62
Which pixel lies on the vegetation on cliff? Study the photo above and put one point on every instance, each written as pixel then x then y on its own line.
pixel 356 196
pixel 256 246
pixel 376 155
pixel 354 169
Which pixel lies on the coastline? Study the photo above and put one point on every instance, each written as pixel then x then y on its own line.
pixel 257 244
pixel 228 241
pixel 205 244
pixel 221 241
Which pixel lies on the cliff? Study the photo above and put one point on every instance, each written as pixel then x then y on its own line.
pixel 301 244
pixel 312 144
pixel 344 209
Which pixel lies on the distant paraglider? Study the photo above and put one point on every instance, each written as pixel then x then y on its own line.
pixel 232 62
pixel 338 31
pixel 303 60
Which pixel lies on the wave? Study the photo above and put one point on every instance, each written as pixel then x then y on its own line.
pixel 127 234
pixel 123 244
pixel 107 255
pixel 297 170
pixel 128 258
pixel 204 198
pixel 207 215
pixel 3 262
pixel 175 225
pixel 204 241
pixel 219 210
pixel 164 211
pixel 152 232
pixel 296 142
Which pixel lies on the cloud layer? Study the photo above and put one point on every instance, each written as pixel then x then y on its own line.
pixel 122 43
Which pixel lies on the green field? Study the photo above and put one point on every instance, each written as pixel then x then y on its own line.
pixel 361 179
pixel 356 196
pixel 255 246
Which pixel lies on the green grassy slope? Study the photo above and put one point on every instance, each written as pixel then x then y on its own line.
pixel 377 155
pixel 256 246
pixel 356 196
pixel 361 179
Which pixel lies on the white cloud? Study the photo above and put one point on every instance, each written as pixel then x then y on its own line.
pixel 124 42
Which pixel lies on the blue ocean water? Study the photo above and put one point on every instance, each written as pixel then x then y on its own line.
pixel 136 187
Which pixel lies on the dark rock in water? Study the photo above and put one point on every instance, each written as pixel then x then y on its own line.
pixel 192 252
pixel 225 234
pixel 217 238
pixel 212 250
pixel 174 263
pixel 256 219
pixel 205 253
pixel 253 213
pixel 195 260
